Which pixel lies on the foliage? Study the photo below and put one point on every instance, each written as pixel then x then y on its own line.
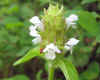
pixel 20 77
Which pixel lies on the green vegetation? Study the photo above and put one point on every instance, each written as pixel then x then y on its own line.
pixel 15 41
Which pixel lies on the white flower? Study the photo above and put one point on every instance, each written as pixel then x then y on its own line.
pixel 37 22
pixel 37 40
pixel 67 47
pixel 50 55
pixel 71 21
pixel 52 47
pixel 74 17
pixel 32 28
pixel 71 43
pixel 38 25
pixel 33 32
pixel 50 51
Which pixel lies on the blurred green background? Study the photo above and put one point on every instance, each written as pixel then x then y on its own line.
pixel 15 40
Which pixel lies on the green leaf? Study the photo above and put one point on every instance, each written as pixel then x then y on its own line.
pixel 31 54
pixel 88 22
pixel 68 69
pixel 18 77
pixel 26 12
pixel 12 22
pixel 98 38
pixel 10 19
pixel 91 73
pixel 13 9
pixel 88 1
pixel 43 2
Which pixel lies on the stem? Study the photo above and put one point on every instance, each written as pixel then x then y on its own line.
pixel 50 72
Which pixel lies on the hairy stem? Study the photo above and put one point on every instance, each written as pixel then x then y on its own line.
pixel 50 72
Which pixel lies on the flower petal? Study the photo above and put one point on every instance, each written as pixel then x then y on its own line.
pixel 51 56
pixel 72 42
pixel 71 20
pixel 35 20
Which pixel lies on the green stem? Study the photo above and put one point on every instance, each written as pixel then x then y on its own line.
pixel 50 72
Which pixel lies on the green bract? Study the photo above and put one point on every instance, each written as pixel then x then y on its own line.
pixel 54 25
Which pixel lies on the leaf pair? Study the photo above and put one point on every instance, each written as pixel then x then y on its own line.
pixel 66 66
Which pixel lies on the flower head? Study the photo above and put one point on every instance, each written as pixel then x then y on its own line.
pixel 51 29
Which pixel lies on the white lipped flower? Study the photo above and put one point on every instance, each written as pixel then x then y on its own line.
pixel 37 40
pixel 71 43
pixel 33 32
pixel 37 22
pixel 50 55
pixel 32 28
pixel 74 17
pixel 71 21
pixel 50 51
